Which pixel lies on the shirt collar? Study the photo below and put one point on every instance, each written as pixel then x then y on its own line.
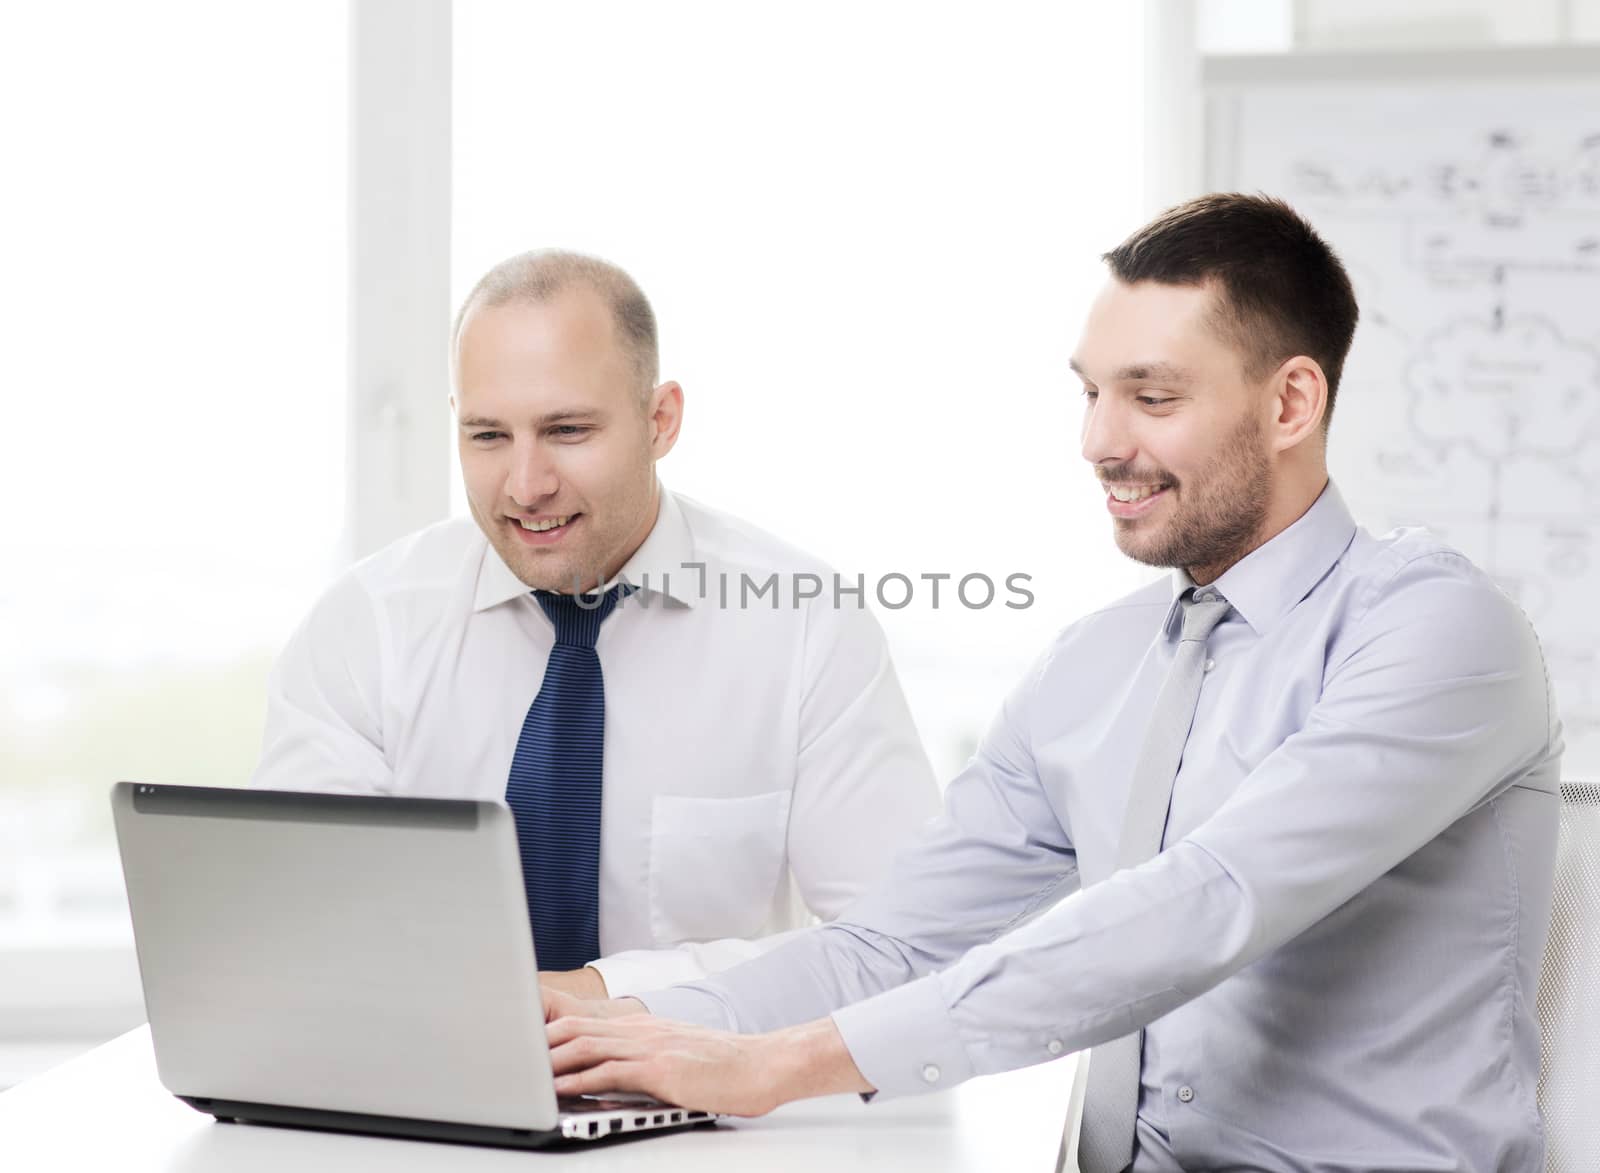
pixel 657 566
pixel 1266 584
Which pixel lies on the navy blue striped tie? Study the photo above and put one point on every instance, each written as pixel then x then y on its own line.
pixel 554 789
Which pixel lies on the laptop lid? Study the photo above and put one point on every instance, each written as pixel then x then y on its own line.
pixel 338 952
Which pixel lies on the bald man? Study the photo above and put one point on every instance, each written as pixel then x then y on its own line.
pixel 702 748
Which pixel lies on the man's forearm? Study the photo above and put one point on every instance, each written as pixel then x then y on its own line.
pixel 812 1060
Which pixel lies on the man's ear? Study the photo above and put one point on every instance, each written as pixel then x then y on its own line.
pixel 664 414
pixel 1300 401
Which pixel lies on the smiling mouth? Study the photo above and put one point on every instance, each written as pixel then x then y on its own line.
pixel 544 527
pixel 1128 494
pixel 539 531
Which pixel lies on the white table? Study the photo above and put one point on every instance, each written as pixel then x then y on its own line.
pixel 107 1111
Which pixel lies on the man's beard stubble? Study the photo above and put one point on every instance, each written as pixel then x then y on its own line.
pixel 1221 513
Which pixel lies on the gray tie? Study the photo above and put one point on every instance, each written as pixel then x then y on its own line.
pixel 1112 1098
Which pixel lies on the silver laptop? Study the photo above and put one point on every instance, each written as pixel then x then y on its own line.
pixel 355 963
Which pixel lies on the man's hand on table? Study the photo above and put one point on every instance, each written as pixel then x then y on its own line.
pixel 610 1047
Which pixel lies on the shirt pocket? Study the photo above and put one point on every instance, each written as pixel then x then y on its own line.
pixel 714 864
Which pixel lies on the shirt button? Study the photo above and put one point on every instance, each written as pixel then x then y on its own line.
pixel 930 1073
pixel 1185 1093
pixel 1210 664
pixel 1053 1046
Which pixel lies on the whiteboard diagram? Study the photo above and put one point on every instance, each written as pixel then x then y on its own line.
pixel 1468 215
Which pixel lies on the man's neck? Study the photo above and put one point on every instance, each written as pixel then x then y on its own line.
pixel 1284 512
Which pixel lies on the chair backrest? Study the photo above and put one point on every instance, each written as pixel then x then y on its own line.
pixel 1569 990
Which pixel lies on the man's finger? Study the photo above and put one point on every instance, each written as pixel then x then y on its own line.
pixel 574 1026
pixel 612 1076
pixel 588 1051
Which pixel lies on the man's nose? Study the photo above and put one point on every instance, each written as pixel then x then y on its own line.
pixel 532 477
pixel 1107 437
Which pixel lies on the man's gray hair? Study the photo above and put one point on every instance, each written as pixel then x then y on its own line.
pixel 544 273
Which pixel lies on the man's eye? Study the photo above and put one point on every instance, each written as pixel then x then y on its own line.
pixel 1154 400
pixel 1090 394
pixel 567 431
pixel 485 436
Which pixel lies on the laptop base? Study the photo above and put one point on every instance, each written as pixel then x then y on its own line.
pixel 601 1128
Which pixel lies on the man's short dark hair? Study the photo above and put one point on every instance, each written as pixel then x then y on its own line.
pixel 1280 290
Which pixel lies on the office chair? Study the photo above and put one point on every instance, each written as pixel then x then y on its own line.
pixel 1569 990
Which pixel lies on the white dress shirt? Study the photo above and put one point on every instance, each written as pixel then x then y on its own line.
pixel 1336 954
pixel 761 765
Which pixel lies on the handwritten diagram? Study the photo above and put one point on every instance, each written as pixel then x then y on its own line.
pixel 1469 218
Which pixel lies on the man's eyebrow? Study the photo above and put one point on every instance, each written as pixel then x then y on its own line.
pixel 543 421
pixel 1153 372
pixel 567 416
pixel 1141 372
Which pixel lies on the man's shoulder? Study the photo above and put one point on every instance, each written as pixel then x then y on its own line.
pixel 418 570
pixel 1121 628
pixel 732 544
pixel 767 583
pixel 1419 564
pixel 422 559
pixel 1137 613
pixel 1438 610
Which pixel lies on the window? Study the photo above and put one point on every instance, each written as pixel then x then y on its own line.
pixel 172 462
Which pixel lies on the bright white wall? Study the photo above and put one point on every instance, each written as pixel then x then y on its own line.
pixel 870 232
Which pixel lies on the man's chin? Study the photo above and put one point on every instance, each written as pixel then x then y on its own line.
pixel 1145 552
pixel 566 581
pixel 561 582
pixel 538 572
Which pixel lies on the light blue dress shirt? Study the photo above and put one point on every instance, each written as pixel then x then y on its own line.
pixel 1336 953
